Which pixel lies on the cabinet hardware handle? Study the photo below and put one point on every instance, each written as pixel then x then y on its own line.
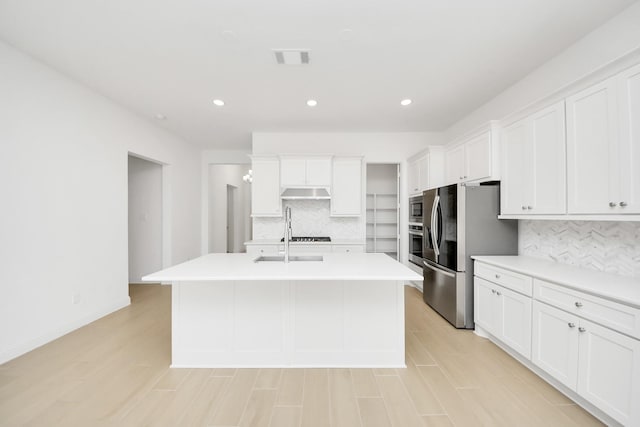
pixel 529 207
pixel 465 177
pixel 612 204
pixel 497 276
pixel 571 325
pixel 493 291
pixel 623 204
pixel 498 293
pixel 524 208
pixel 581 329
pixel 578 304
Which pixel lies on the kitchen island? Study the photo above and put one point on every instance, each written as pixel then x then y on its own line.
pixel 344 311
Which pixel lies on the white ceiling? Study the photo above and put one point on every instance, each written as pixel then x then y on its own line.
pixel 174 57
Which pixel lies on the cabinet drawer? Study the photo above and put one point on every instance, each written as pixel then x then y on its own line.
pixel 262 249
pixel 297 249
pixel 348 248
pixel 619 317
pixel 509 279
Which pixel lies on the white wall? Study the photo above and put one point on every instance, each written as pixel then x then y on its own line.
pixel 219 177
pixel 374 147
pixel 606 44
pixel 63 180
pixel 145 218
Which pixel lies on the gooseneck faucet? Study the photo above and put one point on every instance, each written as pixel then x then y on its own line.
pixel 287 232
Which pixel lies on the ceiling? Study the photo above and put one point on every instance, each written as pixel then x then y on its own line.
pixel 175 57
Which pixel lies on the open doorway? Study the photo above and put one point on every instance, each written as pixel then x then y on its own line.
pixel 229 208
pixel 145 217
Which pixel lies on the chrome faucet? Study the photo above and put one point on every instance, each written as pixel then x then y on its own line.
pixel 287 232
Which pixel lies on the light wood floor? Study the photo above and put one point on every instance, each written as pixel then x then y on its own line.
pixel 114 372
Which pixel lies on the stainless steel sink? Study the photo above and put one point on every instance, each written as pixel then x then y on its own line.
pixel 292 258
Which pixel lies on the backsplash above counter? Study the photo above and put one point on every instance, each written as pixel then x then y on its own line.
pixel 310 218
pixel 613 247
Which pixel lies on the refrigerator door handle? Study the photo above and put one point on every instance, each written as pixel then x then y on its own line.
pixel 434 225
pixel 446 273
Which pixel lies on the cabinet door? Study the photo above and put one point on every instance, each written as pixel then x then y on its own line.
pixel 413 177
pixel 265 189
pixel 293 172
pixel 423 169
pixel 629 90
pixel 477 158
pixel 609 372
pixel 592 150
pixel 555 343
pixel 547 154
pixel 486 306
pixel 454 165
pixel 346 188
pixel 515 323
pixel 319 172
pixel 516 170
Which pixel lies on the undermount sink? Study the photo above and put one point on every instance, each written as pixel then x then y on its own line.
pixel 292 258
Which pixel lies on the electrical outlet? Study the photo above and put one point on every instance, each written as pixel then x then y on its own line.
pixel 75 298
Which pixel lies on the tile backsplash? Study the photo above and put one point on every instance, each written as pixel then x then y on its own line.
pixel 613 247
pixel 310 218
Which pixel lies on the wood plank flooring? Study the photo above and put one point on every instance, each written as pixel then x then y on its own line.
pixel 115 372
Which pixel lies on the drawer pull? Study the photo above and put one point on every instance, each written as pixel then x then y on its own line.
pixel 581 329
pixel 572 325
pixel 498 293
pixel 493 291
pixel 578 304
pixel 497 276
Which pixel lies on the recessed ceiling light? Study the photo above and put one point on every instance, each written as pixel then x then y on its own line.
pixel 405 102
pixel 312 103
pixel 218 102
pixel 160 117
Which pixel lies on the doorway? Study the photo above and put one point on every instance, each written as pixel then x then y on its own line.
pixel 383 209
pixel 144 217
pixel 229 208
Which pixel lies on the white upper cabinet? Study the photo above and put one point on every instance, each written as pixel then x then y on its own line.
pixel 472 160
pixel 629 107
pixel 346 192
pixel 305 171
pixel 426 171
pixel 593 150
pixel 533 164
pixel 265 188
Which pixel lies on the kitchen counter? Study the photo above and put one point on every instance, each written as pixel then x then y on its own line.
pixel 332 242
pixel 346 311
pixel 336 266
pixel 621 289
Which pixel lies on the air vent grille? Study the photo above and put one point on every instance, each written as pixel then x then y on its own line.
pixel 292 56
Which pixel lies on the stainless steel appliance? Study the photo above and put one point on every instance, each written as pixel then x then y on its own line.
pixel 460 221
pixel 415 210
pixel 416 237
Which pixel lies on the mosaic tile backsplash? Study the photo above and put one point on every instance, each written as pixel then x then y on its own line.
pixel 613 247
pixel 310 218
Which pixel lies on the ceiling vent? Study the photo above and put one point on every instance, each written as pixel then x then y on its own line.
pixel 291 56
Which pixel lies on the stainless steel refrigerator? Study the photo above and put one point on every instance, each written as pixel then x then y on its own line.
pixel 460 221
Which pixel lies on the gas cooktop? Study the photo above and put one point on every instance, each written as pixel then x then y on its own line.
pixel 309 239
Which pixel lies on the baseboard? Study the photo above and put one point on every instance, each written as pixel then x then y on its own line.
pixel 57 332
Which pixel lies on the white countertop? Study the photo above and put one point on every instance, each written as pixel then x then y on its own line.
pixel 277 242
pixel 617 288
pixel 336 266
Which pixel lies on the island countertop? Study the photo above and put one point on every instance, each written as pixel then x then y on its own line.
pixel 335 266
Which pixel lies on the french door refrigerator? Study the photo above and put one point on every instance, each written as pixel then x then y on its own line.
pixel 461 221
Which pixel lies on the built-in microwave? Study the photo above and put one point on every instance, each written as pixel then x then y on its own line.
pixel 415 209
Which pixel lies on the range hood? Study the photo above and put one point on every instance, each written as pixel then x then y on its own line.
pixel 316 193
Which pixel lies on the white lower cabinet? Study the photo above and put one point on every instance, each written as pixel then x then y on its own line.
pixel 588 343
pixel 505 314
pixel 602 365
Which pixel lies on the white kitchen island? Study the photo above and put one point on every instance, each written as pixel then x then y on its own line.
pixel 229 311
